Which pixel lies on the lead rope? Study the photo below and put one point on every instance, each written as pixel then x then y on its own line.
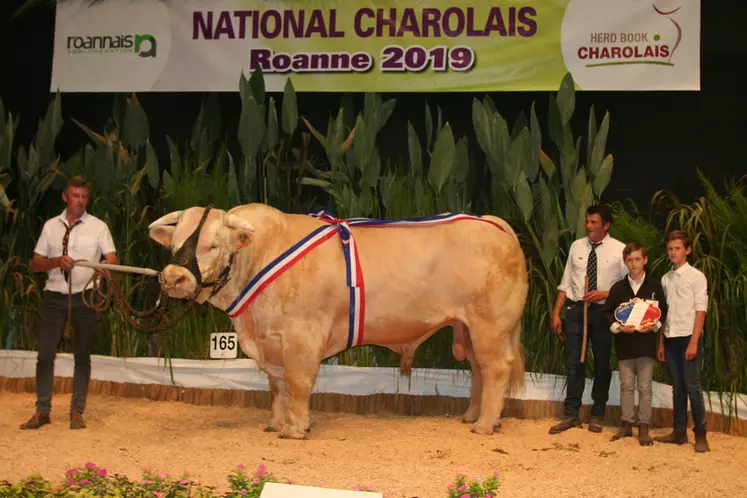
pixel 113 295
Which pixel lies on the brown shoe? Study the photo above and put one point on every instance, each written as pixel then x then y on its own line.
pixel 625 430
pixel 595 424
pixel 564 425
pixel 36 421
pixel 76 421
pixel 701 444
pixel 643 436
pixel 674 437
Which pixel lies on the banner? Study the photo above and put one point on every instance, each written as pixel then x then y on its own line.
pixel 378 46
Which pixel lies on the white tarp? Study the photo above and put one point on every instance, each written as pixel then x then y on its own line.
pixel 243 374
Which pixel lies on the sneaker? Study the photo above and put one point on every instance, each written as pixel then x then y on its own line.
pixel 36 421
pixel 76 421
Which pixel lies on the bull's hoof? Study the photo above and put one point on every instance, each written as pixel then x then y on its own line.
pixel 497 426
pixel 292 433
pixel 470 417
pixel 482 430
pixel 271 428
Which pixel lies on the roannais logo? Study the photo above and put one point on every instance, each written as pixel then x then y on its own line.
pixel 142 45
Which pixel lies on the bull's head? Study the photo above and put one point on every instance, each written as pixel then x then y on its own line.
pixel 204 242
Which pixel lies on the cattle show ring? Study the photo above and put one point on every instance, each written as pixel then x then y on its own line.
pixel 394 249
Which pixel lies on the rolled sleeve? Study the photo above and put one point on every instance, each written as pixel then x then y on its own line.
pixel 701 293
pixel 106 243
pixel 566 282
pixel 42 245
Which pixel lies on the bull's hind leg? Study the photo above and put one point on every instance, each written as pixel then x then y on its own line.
pixel 492 357
pixel 462 348
pixel 279 404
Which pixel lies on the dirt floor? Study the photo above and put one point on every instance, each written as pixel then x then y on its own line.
pixel 403 457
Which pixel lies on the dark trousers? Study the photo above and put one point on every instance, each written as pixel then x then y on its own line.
pixel 54 314
pixel 600 337
pixel 686 383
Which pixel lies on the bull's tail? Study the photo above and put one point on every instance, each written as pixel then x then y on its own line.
pixel 516 383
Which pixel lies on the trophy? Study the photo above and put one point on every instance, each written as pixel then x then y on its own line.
pixel 638 313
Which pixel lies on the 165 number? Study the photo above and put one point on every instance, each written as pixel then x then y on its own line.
pixel 224 342
pixel 223 345
pixel 416 58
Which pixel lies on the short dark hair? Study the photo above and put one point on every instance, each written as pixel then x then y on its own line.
pixel 603 211
pixel 78 182
pixel 682 235
pixel 632 247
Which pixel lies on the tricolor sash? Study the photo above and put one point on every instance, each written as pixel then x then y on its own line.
pixel 354 272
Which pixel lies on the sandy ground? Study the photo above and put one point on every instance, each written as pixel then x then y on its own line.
pixel 403 457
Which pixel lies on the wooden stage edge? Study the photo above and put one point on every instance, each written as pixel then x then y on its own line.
pixel 398 404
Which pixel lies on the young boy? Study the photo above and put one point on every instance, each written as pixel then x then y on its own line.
pixel 681 344
pixel 636 348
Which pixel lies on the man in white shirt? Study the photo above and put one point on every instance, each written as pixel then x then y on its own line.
pixel 599 257
pixel 681 344
pixel 74 234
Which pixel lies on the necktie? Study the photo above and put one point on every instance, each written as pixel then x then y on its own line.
pixel 591 266
pixel 65 241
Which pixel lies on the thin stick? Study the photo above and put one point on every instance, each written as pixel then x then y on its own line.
pixel 586 322
pixel 120 268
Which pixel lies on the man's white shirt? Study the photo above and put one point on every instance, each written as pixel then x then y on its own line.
pixel 687 292
pixel 89 240
pixel 610 266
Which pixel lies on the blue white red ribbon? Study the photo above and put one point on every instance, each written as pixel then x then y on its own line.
pixel 354 273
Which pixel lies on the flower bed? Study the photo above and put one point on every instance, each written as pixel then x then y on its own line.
pixel 92 480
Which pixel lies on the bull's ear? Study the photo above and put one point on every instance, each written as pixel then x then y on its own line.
pixel 162 234
pixel 240 231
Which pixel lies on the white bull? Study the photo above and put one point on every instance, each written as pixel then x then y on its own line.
pixel 468 274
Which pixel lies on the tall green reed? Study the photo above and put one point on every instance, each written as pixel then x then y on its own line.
pixel 541 187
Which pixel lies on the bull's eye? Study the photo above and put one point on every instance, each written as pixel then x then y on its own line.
pixel 214 246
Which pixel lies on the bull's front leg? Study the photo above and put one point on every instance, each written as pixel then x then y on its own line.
pixel 280 402
pixel 300 376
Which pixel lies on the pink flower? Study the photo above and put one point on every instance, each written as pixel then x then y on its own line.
pixel 243 492
pixel 163 475
pixel 158 495
pixel 183 482
pixel 70 482
pixel 90 465
pixel 261 470
pixel 241 466
pixel 85 481
pixel 102 472
pixel 465 496
pixel 255 480
pixel 463 487
pixel 450 487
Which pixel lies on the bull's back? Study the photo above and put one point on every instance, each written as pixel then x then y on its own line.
pixel 434 273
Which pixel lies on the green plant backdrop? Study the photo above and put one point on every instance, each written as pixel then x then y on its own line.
pixel 537 173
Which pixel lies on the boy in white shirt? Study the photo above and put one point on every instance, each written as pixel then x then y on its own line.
pixel 681 343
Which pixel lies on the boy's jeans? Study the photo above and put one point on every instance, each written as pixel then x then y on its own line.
pixel 686 383
pixel 642 370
